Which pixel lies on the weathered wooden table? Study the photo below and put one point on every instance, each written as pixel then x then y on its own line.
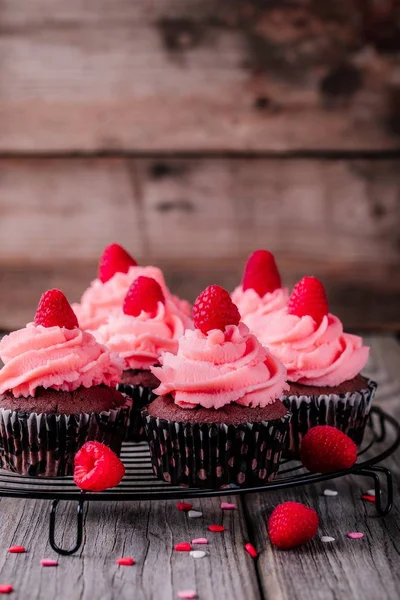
pixel 365 569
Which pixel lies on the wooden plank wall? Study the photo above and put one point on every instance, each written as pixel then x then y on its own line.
pixel 193 131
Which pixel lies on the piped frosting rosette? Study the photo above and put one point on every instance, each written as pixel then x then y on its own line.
pixel 219 368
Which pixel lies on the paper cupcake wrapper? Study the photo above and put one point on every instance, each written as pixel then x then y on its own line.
pixel 215 455
pixel 348 412
pixel 45 444
pixel 141 397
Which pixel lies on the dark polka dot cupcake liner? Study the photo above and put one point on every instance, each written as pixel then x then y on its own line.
pixel 215 455
pixel 45 444
pixel 141 396
pixel 348 412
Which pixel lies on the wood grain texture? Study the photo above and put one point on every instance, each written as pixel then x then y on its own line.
pixel 357 569
pixel 199 219
pixel 189 75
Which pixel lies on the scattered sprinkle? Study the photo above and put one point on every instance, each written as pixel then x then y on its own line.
pixel 198 554
pixel 200 541
pixel 216 528
pixel 368 498
pixel 184 506
pixel 16 549
pixel 183 547
pixel 371 492
pixel 328 492
pixel 187 594
pixel 49 562
pixel 251 550
pixel 228 506
pixel 126 561
pixel 327 538
pixel 6 588
pixel 195 514
pixel 355 535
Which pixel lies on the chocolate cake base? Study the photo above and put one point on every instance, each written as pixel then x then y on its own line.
pixel 40 435
pixel 138 385
pixel 215 448
pixel 345 407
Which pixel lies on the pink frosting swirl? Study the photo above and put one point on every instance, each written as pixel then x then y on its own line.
pixel 57 358
pixel 255 310
pixel 321 355
pixel 102 299
pixel 140 340
pixel 220 368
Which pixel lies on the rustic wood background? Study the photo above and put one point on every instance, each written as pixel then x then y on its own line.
pixel 194 131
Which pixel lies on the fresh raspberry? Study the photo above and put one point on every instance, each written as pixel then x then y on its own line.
pixel 261 273
pixel 97 468
pixel 309 298
pixel 55 310
pixel 292 524
pixel 144 294
pixel 114 260
pixel 325 449
pixel 214 309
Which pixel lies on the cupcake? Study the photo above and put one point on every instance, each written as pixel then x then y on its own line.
pixel 57 391
pixel 261 293
pixel 106 294
pixel 139 333
pixel 323 365
pixel 217 419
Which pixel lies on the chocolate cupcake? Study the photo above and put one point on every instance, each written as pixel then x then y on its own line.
pixel 323 365
pixel 139 333
pixel 217 420
pixel 57 391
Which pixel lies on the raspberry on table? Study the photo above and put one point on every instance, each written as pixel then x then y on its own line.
pixel 292 524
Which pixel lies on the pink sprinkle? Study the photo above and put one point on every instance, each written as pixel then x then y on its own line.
pixel 251 550
pixel 188 594
pixel 227 506
pixel 216 528
pixel 200 541
pixel 6 588
pixel 355 535
pixel 48 562
pixel 183 547
pixel 126 561
pixel 16 549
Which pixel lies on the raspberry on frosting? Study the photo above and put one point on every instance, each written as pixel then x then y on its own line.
pixel 217 368
pixel 309 298
pixel 114 260
pixel 214 309
pixel 261 273
pixel 54 309
pixel 143 295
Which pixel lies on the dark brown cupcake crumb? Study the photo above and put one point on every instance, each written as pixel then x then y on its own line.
pixel 142 377
pixel 356 384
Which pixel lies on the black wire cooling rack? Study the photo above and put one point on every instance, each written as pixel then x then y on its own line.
pixel 382 438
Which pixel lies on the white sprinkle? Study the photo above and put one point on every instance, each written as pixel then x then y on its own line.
pixel 330 493
pixel 198 554
pixel 327 538
pixel 370 492
pixel 195 514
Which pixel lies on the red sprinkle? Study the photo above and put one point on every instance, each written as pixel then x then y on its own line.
pixel 16 549
pixel 183 547
pixel 216 528
pixel 251 550
pixel 48 562
pixel 126 561
pixel 368 498
pixel 185 506
pixel 6 588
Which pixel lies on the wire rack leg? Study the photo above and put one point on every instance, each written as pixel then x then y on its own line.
pixel 79 529
pixel 373 473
